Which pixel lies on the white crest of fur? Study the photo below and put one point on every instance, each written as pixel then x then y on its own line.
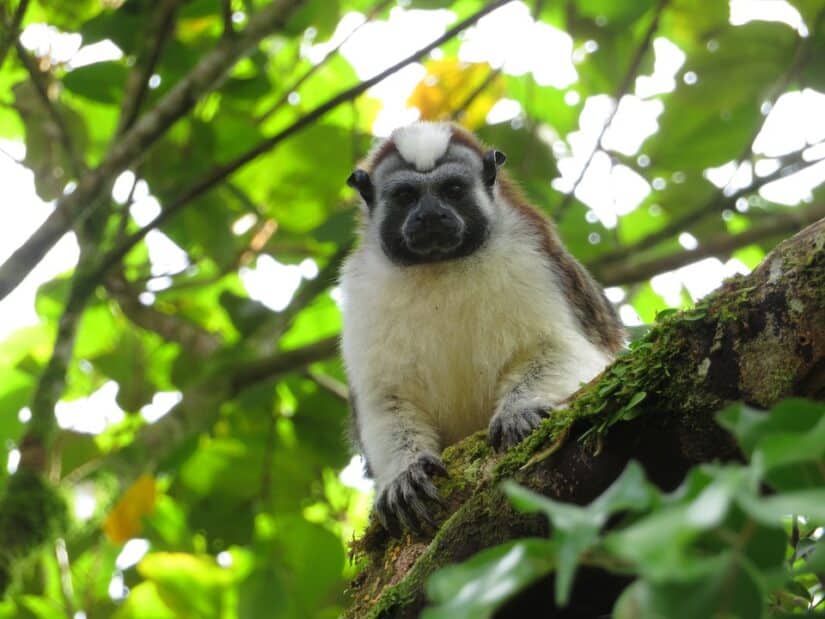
pixel 423 143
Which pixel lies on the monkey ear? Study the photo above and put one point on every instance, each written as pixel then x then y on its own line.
pixel 492 160
pixel 360 181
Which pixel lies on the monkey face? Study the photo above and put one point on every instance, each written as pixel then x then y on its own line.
pixel 431 215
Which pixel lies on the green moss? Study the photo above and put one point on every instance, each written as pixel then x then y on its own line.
pixel 482 514
pixel 32 511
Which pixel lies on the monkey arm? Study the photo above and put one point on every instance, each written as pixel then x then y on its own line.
pixel 402 448
pixel 537 385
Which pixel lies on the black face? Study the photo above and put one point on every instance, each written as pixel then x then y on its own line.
pixel 431 218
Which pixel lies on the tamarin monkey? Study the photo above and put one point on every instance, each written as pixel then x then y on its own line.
pixel 462 310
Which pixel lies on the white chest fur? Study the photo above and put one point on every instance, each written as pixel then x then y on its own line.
pixel 442 336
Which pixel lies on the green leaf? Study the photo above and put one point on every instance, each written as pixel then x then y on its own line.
pixel 576 529
pixel 630 491
pixel 145 602
pixel 750 425
pixel 726 590
pixel 778 449
pixel 319 14
pixel 338 228
pixel 265 588
pixel 659 544
pixel 102 81
pixel 188 584
pixel 480 585
pixel 770 510
pixel 41 607
pixel 815 559
pixel 616 12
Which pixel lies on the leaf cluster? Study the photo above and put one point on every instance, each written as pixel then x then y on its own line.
pixel 733 540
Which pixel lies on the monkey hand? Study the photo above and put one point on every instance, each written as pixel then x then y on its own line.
pixel 403 500
pixel 512 424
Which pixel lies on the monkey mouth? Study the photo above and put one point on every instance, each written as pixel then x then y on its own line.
pixel 434 241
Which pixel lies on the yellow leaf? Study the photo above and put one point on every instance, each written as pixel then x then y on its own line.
pixel 124 521
pixel 451 85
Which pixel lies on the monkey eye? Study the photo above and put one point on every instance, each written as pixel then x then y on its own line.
pixel 405 195
pixel 453 190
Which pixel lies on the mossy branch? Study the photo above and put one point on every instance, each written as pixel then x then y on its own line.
pixel 759 339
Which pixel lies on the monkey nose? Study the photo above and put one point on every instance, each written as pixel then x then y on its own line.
pixel 432 230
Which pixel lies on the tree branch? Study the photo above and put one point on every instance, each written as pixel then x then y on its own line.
pixel 34 448
pixel 154 40
pixel 329 384
pixel 203 78
pixel 744 341
pixel 717 203
pixel 631 272
pixel 282 100
pixel 38 78
pixel 219 173
pixel 621 91
pixel 191 337
pixel 245 375
pixel 200 406
pixel 226 14
pixel 11 30
pixel 462 107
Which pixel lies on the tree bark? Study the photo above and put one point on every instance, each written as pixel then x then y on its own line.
pixel 758 339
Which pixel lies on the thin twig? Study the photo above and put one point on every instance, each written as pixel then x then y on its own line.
pixel 226 14
pixel 122 224
pixel 38 78
pixel 12 30
pixel 246 375
pixel 41 428
pixel 621 91
pixel 200 407
pixel 137 84
pixel 191 336
pixel 66 584
pixel 717 203
pixel 265 490
pixel 459 111
pixel 329 384
pixel 801 57
pixel 284 98
pixel 219 173
pixel 630 272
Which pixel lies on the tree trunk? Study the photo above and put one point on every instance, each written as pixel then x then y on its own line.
pixel 759 338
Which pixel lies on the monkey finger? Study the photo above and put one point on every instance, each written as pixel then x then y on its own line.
pixel 399 507
pixel 406 514
pixel 425 489
pixel 422 514
pixel 428 488
pixel 386 515
pixel 531 423
pixel 432 465
pixel 416 507
pixel 421 479
pixel 495 434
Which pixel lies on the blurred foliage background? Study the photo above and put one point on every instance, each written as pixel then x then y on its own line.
pixel 178 387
